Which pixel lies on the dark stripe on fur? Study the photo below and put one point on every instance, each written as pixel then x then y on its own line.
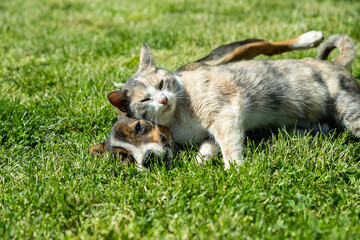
pixel 346 85
pixel 318 78
pixel 227 48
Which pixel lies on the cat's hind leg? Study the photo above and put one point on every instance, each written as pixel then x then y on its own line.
pixel 344 101
pixel 250 48
pixel 347 111
pixel 305 41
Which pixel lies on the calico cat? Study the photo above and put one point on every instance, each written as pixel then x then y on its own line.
pixel 217 104
pixel 141 142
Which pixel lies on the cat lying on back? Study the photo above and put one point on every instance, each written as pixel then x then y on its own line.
pixel 217 104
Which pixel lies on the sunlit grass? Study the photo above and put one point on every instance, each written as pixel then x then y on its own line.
pixel 58 61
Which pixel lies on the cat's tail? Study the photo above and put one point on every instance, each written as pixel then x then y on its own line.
pixel 346 46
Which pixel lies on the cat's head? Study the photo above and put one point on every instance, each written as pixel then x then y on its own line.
pixel 151 93
pixel 139 142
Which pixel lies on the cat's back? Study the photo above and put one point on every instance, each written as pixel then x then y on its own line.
pixel 259 75
pixel 283 68
pixel 293 75
pixel 255 75
pixel 293 88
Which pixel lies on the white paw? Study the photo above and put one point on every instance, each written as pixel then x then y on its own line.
pixel 208 150
pixel 201 159
pixel 308 40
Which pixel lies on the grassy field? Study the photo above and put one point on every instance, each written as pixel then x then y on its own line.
pixel 58 61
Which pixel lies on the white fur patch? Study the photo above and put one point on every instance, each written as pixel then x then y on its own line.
pixel 139 152
pixel 158 112
pixel 207 150
pixel 308 40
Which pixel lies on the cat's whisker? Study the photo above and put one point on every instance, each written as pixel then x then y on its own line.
pixel 154 116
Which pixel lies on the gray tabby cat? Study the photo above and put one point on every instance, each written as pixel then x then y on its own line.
pixel 217 104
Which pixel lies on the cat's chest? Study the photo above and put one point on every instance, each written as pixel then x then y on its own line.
pixel 187 129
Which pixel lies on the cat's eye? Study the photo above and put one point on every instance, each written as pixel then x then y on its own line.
pixel 161 84
pixel 138 128
pixel 145 100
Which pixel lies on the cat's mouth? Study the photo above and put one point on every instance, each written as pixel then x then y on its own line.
pixel 167 107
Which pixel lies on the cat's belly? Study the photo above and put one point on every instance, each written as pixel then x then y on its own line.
pixel 282 117
pixel 258 120
pixel 188 131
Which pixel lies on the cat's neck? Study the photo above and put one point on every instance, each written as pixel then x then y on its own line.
pixel 183 110
pixel 185 126
pixel 181 100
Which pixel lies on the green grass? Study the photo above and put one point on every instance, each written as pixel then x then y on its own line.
pixel 58 61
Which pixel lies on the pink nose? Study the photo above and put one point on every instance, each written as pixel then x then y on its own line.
pixel 164 101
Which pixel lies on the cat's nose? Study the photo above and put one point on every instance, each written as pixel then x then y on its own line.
pixel 164 100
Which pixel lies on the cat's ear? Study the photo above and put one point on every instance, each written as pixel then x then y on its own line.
pixel 98 149
pixel 119 99
pixel 146 59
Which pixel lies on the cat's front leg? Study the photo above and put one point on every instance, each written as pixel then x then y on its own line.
pixel 208 149
pixel 230 140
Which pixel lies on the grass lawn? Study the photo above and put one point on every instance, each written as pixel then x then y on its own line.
pixel 58 61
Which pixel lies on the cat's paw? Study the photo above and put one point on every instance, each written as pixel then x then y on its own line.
pixel 203 158
pixel 308 40
pixel 207 151
pixel 235 163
